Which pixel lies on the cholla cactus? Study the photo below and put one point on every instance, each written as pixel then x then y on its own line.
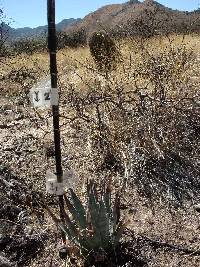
pixel 95 226
pixel 104 51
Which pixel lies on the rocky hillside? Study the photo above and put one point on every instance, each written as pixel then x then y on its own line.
pixel 130 18
pixel 134 17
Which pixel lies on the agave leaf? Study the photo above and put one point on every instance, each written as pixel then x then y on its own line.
pixel 116 212
pixel 103 224
pixel 118 233
pixel 91 240
pixel 77 210
pixel 53 216
pixel 91 243
pixel 70 230
pixel 94 237
pixel 70 224
pixel 94 190
pixel 93 203
pixel 79 207
pixel 68 233
pixel 95 240
pixel 84 244
pixel 78 238
pixel 107 200
pixel 93 209
pixel 91 189
pixel 101 229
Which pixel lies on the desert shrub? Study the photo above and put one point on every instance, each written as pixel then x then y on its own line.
pixel 18 80
pixel 72 39
pixel 28 46
pixel 61 40
pixel 142 120
pixel 4 50
pixel 20 75
pixel 104 51
pixel 4 31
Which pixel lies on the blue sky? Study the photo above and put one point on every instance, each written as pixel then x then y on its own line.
pixel 32 13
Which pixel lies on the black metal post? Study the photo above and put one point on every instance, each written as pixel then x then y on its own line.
pixel 52 46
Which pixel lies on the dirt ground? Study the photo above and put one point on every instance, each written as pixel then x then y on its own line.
pixel 161 235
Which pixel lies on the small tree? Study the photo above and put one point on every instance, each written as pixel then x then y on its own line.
pixel 4 28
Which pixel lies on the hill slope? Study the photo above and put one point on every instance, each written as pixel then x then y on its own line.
pixel 132 16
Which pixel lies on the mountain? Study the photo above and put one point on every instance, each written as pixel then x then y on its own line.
pixel 135 17
pixel 27 32
pixel 128 19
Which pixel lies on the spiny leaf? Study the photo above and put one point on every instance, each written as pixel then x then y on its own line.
pixel 91 189
pixel 101 230
pixel 93 209
pixel 70 230
pixel 78 205
pixel 118 233
pixel 103 224
pixel 77 211
pixel 93 204
pixel 116 211
pixel 107 200
pixel 70 224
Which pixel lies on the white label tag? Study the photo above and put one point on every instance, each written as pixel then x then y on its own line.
pixel 44 97
pixel 52 186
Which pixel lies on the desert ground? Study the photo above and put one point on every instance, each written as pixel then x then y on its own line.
pixel 136 125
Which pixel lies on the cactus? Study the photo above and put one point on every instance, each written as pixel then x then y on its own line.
pixel 96 225
pixel 104 51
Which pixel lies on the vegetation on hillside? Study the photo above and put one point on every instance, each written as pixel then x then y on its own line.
pixel 134 18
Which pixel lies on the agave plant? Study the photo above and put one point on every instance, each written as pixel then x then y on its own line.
pixel 95 225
